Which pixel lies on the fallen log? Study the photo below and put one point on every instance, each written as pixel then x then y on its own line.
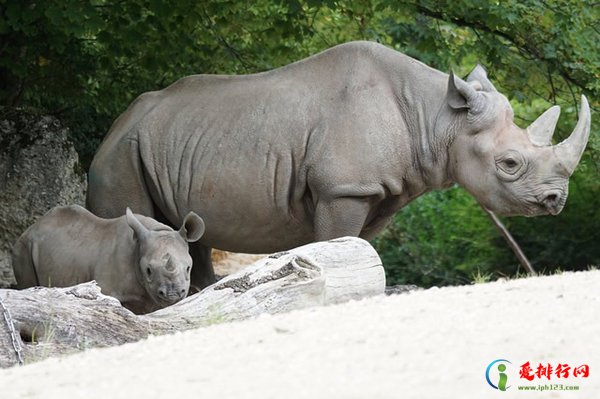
pixel 54 321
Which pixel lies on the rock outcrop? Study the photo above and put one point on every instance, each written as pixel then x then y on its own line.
pixel 39 169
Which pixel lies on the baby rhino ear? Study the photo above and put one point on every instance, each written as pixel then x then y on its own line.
pixel 138 228
pixel 192 228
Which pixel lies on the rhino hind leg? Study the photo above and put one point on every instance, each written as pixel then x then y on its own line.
pixel 24 257
pixel 115 185
pixel 202 274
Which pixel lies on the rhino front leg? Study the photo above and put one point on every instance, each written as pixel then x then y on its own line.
pixel 340 217
pixel 202 274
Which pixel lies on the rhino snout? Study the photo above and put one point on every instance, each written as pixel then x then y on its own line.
pixel 553 201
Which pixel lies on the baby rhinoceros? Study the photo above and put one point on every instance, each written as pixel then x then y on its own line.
pixel 141 262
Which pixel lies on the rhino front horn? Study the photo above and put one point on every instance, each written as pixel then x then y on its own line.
pixel 570 150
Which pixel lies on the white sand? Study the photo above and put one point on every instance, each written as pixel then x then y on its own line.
pixel 428 344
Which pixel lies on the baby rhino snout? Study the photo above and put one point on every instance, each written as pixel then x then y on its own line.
pixel 171 293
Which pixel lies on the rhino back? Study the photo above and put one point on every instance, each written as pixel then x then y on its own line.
pixel 238 150
pixel 216 145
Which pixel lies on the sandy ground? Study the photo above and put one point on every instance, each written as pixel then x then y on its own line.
pixel 226 263
pixel 435 343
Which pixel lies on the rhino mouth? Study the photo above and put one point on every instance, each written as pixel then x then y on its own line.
pixel 527 209
pixel 166 298
pixel 553 211
pixel 539 209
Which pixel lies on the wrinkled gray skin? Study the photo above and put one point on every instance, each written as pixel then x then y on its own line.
pixel 329 146
pixel 142 263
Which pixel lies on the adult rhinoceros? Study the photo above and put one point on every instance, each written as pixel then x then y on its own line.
pixel 328 146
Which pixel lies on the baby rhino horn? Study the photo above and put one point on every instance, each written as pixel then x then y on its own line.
pixel 170 265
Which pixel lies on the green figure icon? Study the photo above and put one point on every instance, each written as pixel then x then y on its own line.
pixel 503 377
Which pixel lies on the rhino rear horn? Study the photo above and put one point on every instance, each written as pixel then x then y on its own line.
pixel 192 228
pixel 138 228
pixel 541 130
pixel 570 150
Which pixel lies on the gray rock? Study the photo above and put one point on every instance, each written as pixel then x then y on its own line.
pixel 39 169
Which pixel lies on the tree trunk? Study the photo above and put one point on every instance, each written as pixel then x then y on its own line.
pixel 51 321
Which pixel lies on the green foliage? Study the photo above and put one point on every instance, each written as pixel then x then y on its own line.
pixel 86 60
pixel 442 238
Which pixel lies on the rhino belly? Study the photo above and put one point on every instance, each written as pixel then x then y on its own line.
pixel 256 233
pixel 240 170
pixel 246 221
pixel 250 206
pixel 60 265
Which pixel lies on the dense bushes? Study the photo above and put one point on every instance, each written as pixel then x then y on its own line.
pixel 442 238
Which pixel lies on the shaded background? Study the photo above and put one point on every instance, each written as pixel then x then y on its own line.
pixel 85 61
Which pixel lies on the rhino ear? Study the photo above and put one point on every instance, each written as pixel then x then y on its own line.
pixel 138 228
pixel 479 74
pixel 462 95
pixel 192 228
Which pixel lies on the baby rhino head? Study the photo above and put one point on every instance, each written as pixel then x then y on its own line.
pixel 164 261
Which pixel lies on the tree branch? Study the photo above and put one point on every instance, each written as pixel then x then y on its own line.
pixel 526 47
pixel 510 241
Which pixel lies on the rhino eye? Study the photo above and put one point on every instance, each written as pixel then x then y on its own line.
pixel 509 165
pixel 148 271
pixel 188 269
